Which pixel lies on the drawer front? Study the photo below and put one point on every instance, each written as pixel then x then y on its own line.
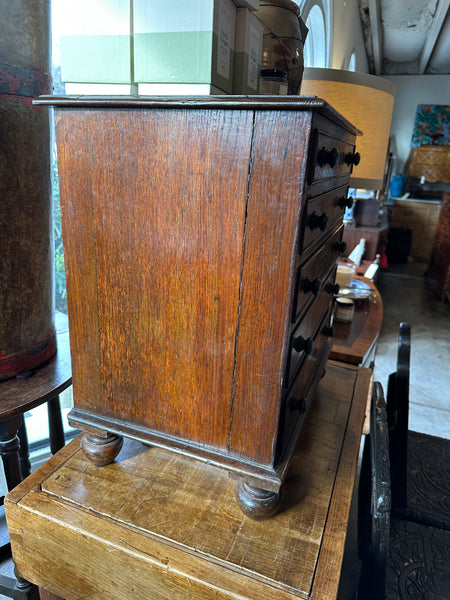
pixel 333 158
pixel 296 399
pixel 303 337
pixel 332 155
pixel 312 275
pixel 414 212
pixel 321 215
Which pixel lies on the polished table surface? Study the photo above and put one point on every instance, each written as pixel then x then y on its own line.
pixel 355 342
pixel 155 524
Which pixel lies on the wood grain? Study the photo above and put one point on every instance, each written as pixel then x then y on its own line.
pixel 274 210
pixel 182 225
pixel 159 525
pixel 355 342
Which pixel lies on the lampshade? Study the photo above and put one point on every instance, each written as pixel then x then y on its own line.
pixel 367 102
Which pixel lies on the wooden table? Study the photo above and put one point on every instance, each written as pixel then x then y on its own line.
pixel 355 342
pixel 17 396
pixel 21 394
pixel 159 525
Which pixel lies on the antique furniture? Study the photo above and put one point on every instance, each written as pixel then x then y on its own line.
pixel 355 342
pixel 375 238
pixel 419 462
pixel 155 524
pixel 405 556
pixel 430 162
pixel 21 394
pixel 439 265
pixel 17 396
pixel 420 216
pixel 201 237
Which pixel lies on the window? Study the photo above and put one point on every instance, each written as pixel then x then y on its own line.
pixel 317 46
pixel 352 62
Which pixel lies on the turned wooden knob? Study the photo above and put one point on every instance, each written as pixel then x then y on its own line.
pixel 312 285
pixel 345 202
pixel 318 221
pixel 301 344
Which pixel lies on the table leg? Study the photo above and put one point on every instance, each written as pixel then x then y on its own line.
pixel 24 452
pixel 55 425
pixel 9 450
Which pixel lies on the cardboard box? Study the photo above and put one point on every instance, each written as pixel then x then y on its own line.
pixel 95 41
pixel 184 41
pixel 247 52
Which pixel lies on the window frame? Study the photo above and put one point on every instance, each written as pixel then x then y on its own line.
pixel 326 8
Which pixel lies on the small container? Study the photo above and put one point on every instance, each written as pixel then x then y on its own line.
pixel 273 82
pixel 345 274
pixel 345 309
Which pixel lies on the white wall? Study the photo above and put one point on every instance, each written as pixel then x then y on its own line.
pixel 412 90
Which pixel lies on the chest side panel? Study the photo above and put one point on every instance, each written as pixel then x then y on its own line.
pixel 274 208
pixel 168 199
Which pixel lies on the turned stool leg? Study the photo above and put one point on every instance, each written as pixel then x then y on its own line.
pixel 24 452
pixel 55 425
pixel 101 450
pixel 9 451
pixel 256 503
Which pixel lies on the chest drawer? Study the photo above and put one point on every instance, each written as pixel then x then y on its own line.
pixel 312 275
pixel 303 336
pixel 321 215
pixel 333 155
pixel 297 399
pixel 414 212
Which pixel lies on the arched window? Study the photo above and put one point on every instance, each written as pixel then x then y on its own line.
pixel 316 14
pixel 352 62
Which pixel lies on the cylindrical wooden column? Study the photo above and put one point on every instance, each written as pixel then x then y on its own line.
pixel 27 334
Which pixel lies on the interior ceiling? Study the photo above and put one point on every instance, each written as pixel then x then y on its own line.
pixel 406 37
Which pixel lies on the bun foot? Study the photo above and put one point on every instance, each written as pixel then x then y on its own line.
pixel 101 451
pixel 256 503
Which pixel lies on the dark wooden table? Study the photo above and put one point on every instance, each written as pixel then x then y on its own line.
pixel 155 524
pixel 17 396
pixel 355 342
pixel 21 394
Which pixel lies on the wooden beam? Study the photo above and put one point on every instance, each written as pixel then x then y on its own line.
pixel 433 34
pixel 377 34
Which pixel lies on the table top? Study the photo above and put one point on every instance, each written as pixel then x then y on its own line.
pixel 18 395
pixel 353 342
pixel 155 524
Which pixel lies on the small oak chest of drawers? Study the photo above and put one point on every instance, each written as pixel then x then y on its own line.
pixel 200 239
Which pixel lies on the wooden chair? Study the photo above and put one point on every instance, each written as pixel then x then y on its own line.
pixel 401 559
pixel 420 463
pixel 374 502
pixel 404 517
